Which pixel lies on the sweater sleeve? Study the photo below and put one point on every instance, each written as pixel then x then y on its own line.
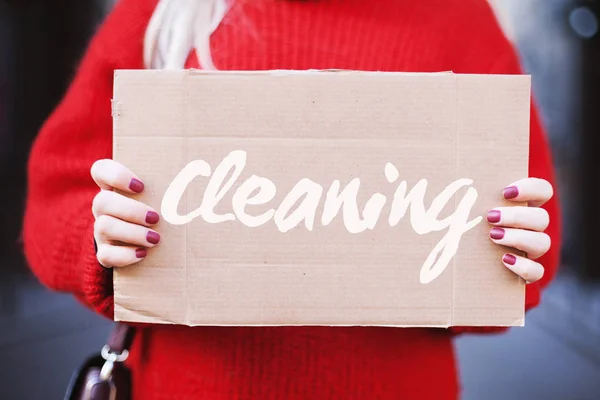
pixel 58 223
pixel 540 166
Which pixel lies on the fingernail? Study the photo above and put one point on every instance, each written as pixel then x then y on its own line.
pixel 509 259
pixel 151 217
pixel 497 233
pixel 153 237
pixel 493 216
pixel 136 185
pixel 140 253
pixel 511 192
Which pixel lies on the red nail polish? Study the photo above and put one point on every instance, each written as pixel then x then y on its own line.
pixel 509 259
pixel 497 233
pixel 493 216
pixel 151 217
pixel 511 192
pixel 153 237
pixel 136 185
pixel 140 253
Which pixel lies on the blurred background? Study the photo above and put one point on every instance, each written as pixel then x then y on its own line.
pixel 44 335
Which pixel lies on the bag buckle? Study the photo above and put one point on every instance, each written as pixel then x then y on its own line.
pixel 111 358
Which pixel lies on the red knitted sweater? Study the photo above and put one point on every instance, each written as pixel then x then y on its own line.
pixel 174 362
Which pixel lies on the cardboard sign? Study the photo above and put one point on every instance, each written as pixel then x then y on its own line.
pixel 321 197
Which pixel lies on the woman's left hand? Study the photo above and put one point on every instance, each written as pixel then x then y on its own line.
pixel 523 227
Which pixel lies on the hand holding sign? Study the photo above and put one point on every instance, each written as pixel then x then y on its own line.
pixel 523 227
pixel 121 228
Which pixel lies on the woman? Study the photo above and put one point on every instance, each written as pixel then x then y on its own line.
pixel 66 210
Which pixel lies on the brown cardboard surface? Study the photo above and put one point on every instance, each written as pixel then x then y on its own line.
pixel 323 126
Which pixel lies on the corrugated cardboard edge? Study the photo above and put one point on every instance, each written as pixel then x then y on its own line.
pixel 521 321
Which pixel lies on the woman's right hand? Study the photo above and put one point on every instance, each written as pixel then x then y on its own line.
pixel 122 229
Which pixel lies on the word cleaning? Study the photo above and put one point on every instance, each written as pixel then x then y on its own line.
pixel 257 190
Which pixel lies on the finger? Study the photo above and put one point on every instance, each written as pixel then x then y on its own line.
pixel 119 256
pixel 109 174
pixel 527 269
pixel 535 244
pixel 532 218
pixel 109 229
pixel 532 190
pixel 116 205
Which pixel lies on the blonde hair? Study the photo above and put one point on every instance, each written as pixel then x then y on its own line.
pixel 179 26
